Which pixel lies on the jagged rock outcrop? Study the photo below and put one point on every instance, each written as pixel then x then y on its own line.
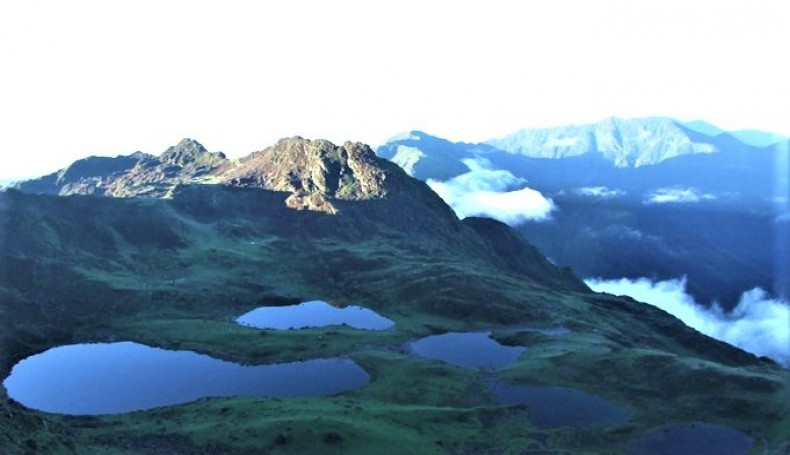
pixel 188 162
pixel 190 152
pixel 138 174
pixel 314 172
pixel 320 176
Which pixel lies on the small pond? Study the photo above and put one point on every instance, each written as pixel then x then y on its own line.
pixel 556 407
pixel 316 313
pixel 469 350
pixel 112 378
pixel 692 438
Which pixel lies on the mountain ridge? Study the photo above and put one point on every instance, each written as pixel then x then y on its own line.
pixel 626 143
pixel 374 194
pixel 315 172
pixel 721 164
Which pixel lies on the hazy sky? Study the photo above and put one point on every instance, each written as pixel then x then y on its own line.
pixel 104 77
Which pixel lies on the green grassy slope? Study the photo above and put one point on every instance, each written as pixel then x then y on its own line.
pixel 175 273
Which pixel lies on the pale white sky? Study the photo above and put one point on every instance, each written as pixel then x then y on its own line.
pixel 101 77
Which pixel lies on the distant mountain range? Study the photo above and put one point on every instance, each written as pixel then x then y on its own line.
pixel 632 142
pixel 754 138
pixel 626 143
pixel 651 197
pixel 635 157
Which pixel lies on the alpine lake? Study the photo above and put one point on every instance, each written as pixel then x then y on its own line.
pixel 115 378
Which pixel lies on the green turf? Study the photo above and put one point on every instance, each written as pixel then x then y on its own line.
pixel 115 285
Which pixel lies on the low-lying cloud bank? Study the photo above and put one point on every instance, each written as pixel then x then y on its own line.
pixel 758 324
pixel 677 195
pixel 492 193
pixel 600 191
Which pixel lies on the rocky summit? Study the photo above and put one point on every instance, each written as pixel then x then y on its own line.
pixel 315 173
pixel 138 174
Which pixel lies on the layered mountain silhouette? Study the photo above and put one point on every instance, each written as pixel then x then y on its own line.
pixel 755 138
pixel 636 156
pixel 651 197
pixel 625 143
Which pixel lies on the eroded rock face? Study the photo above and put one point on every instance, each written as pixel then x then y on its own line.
pixel 317 173
pixel 187 162
pixel 190 152
pixel 138 174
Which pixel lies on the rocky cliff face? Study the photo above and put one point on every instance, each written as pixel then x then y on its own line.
pixel 138 174
pixel 188 162
pixel 316 173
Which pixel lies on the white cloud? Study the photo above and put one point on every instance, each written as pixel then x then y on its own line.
pixel 492 193
pixel 599 191
pixel 758 324
pixel 679 195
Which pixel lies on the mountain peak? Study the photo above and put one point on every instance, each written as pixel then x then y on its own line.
pixel 189 151
pixel 315 172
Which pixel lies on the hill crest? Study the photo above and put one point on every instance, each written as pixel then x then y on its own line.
pixel 315 172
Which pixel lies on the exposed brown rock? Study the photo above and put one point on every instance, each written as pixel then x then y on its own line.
pixel 317 173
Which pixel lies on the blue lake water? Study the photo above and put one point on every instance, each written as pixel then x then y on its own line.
pixel 94 379
pixel 693 438
pixel 556 407
pixel 470 350
pixel 316 313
